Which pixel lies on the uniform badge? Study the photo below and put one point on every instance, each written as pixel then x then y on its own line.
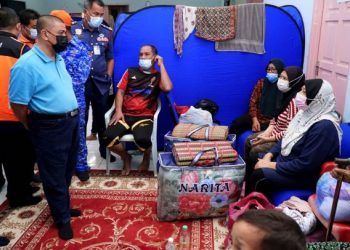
pixel 78 32
pixel 101 38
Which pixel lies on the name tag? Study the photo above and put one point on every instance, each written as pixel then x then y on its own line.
pixel 97 50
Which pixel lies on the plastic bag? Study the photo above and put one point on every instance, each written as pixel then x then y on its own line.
pixel 324 198
pixel 196 116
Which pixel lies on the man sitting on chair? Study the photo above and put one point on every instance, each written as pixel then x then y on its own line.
pixel 135 105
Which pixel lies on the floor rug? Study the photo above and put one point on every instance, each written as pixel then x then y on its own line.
pixel 117 213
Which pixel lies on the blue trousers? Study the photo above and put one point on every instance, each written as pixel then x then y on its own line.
pixel 56 144
pixel 99 102
pixel 82 165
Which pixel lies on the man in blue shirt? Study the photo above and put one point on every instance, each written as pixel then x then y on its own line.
pixel 99 37
pixel 77 58
pixel 40 83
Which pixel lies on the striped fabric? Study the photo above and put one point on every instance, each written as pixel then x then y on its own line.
pixel 281 124
pixel 212 133
pixel 184 153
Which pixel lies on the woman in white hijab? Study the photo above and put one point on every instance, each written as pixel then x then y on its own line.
pixel 312 138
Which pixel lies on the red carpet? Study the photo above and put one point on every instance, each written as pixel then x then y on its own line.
pixel 118 213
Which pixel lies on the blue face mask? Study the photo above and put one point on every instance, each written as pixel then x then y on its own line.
pixel 95 21
pixel 33 34
pixel 145 64
pixel 272 77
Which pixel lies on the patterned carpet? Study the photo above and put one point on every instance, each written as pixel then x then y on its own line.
pixel 118 213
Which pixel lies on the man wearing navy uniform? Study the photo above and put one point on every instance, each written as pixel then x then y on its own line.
pixel 99 37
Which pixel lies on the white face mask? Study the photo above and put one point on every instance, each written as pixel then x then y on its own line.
pixel 95 21
pixel 300 101
pixel 283 85
pixel 33 33
pixel 145 64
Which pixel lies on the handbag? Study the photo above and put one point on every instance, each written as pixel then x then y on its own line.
pixel 254 200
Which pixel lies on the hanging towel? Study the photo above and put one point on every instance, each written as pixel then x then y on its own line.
pixel 250 30
pixel 189 20
pixel 216 23
pixel 178 28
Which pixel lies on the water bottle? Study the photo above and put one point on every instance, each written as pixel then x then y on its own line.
pixel 170 244
pixel 184 238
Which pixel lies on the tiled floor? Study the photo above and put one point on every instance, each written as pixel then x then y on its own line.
pixel 94 160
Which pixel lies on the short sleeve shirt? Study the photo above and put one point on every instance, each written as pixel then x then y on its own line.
pixel 141 92
pixel 42 84
pixel 100 41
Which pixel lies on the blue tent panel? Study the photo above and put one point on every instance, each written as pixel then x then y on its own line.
pixel 225 77
pixel 295 13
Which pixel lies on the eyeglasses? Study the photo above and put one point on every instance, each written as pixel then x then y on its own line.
pixel 272 70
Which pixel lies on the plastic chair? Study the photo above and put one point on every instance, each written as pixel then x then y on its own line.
pixel 130 138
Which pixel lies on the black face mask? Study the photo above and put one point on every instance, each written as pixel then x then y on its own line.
pixel 61 43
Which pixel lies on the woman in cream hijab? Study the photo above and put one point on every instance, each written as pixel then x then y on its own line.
pixel 312 138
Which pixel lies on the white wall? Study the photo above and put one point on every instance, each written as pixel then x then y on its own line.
pixel 75 6
pixel 38 5
pixel 306 9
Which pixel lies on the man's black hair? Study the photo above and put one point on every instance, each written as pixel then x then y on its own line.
pixel 46 22
pixel 25 16
pixel 8 18
pixel 153 48
pixel 88 3
pixel 281 231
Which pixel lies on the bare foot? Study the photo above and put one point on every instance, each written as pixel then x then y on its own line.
pixel 143 167
pixel 126 165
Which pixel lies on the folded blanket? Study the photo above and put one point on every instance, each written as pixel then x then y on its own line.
pixel 220 151
pixel 196 132
pixel 216 23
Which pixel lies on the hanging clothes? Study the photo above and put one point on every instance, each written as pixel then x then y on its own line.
pixel 216 23
pixel 189 19
pixel 250 30
pixel 178 28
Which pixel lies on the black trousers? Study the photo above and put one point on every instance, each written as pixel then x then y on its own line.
pixel 140 127
pixel 99 104
pixel 244 123
pixel 17 157
pixel 56 143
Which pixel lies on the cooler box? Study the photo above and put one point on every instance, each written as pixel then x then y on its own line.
pixel 169 140
pixel 197 192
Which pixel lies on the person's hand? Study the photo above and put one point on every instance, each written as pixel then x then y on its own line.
pixel 268 157
pixel 256 125
pixel 116 117
pixel 159 60
pixel 338 172
pixel 260 139
pixel 262 163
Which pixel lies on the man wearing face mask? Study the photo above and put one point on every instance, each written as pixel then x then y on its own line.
pixel 17 158
pixel 135 105
pixel 40 83
pixel 29 33
pixel 99 38
pixel 77 58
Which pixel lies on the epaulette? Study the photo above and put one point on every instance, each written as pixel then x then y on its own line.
pixel 106 27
